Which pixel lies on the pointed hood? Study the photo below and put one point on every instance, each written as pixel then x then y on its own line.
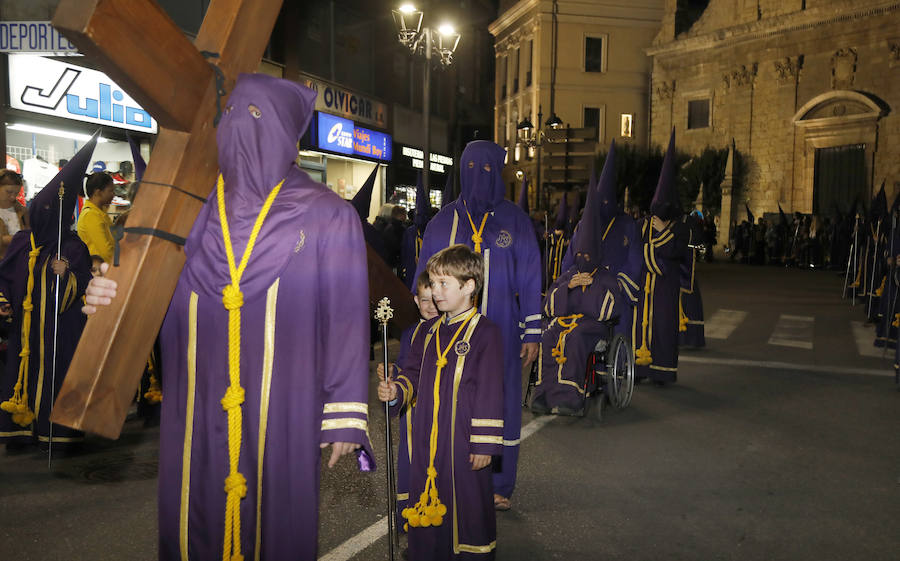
pixel 447 194
pixel 423 205
pixel 665 203
pixel 362 200
pixel 523 194
pixel 607 207
pixel 879 205
pixel 562 213
pixel 44 208
pixel 481 177
pixel 750 217
pixel 139 164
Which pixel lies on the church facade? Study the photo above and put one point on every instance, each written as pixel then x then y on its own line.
pixel 806 89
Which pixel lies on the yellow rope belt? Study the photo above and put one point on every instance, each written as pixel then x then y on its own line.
pixel 429 511
pixel 233 300
pixel 17 405
pixel 559 349
pixel 477 233
pixel 642 355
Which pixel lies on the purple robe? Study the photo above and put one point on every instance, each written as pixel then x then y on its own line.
pixel 470 421
pixel 511 297
pixel 557 247
pixel 404 450
pixel 690 330
pixel 661 286
pixel 304 342
pixel 569 339
pixel 13 281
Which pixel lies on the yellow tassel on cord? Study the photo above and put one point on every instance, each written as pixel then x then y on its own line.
pixel 896 322
pixel 682 317
pixel 429 511
pixel 642 355
pixel 476 234
pixel 17 405
pixel 233 300
pixel 880 290
pixel 559 350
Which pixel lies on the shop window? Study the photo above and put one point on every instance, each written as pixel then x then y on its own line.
pixel 594 48
pixel 698 114
pixel 529 53
pixel 593 119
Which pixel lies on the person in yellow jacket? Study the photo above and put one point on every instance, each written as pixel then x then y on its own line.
pixel 93 223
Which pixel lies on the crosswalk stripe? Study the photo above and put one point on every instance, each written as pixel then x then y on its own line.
pixel 723 323
pixel 864 337
pixel 793 331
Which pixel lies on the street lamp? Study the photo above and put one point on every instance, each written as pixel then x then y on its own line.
pixel 422 41
pixel 533 138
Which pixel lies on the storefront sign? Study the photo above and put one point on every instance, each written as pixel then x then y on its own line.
pixel 439 162
pixel 51 87
pixel 336 100
pixel 33 37
pixel 343 136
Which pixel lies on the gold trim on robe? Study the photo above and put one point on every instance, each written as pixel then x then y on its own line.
pixel 265 391
pixel 188 426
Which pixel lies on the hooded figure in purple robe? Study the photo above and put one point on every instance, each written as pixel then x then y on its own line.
pixel 593 299
pixel 690 314
pixel 558 240
pixel 303 335
pixel 412 237
pixel 481 219
pixel 665 239
pixel 28 286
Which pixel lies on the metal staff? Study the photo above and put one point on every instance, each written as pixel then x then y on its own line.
pixel 62 191
pixel 872 276
pixel 855 256
pixel 849 261
pixel 383 313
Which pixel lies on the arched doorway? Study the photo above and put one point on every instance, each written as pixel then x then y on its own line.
pixel 834 151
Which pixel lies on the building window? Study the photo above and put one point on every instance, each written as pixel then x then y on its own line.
pixel 593 118
pixel 501 76
pixel 593 54
pixel 515 87
pixel 626 125
pixel 698 114
pixel 529 53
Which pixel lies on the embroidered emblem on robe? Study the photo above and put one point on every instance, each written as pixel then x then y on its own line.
pixel 504 239
pixel 461 348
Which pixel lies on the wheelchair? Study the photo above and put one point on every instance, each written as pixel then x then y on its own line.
pixel 608 375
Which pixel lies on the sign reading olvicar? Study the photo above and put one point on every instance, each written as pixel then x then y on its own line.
pixel 338 101
pixel 51 87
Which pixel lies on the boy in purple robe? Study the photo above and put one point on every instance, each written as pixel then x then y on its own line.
pixel 452 374
pixel 690 322
pixel 411 335
pixel 596 288
pixel 497 229
pixel 264 365
pixel 28 276
pixel 665 245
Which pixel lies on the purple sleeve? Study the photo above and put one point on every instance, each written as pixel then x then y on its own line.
pixel 486 436
pixel 528 279
pixel 343 328
pixel 406 375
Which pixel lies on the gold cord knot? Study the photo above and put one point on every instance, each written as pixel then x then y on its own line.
pixel 236 483
pixel 441 362
pixel 432 472
pixel 234 396
pixel 27 306
pixel 232 297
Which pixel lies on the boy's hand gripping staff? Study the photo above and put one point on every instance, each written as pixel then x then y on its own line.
pixel 383 313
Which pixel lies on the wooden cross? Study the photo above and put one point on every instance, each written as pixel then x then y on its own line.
pixel 163 71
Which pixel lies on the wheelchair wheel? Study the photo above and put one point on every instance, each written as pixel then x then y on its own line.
pixel 619 372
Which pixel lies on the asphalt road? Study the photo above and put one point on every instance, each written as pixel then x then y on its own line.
pixel 779 441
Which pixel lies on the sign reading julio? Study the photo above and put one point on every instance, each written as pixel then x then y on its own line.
pixel 52 87
pixel 340 135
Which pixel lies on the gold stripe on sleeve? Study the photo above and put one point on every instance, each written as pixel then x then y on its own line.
pixel 349 423
pixel 346 407
pixel 485 439
pixel 497 423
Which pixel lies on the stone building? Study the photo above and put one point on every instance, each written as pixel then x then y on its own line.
pixel 587 65
pixel 804 88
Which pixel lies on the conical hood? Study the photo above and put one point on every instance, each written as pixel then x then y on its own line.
pixel 423 205
pixel 139 164
pixel 607 206
pixel 665 203
pixel 562 213
pixel 750 218
pixel 362 200
pixel 879 205
pixel 44 208
pixel 447 194
pixel 523 194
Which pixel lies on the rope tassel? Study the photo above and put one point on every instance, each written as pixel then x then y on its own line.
pixel 233 301
pixel 558 351
pixel 17 405
pixel 642 355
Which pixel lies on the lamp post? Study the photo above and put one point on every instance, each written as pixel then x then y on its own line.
pixel 424 41
pixel 534 138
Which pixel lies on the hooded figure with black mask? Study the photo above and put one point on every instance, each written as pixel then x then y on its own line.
pixel 665 240
pixel 265 344
pixel 579 303
pixel 28 276
pixel 498 229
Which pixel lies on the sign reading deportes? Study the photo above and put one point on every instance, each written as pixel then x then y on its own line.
pixel 52 87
